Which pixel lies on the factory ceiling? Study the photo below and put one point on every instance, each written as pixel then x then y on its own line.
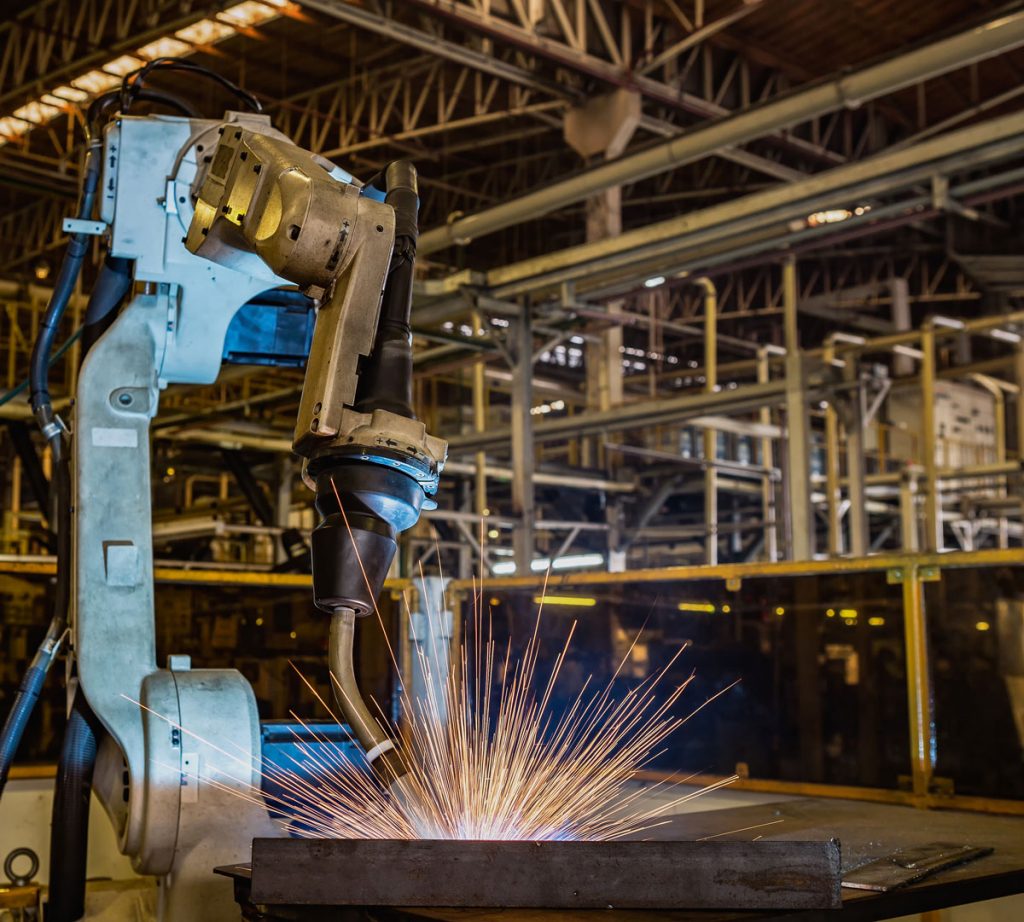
pixel 477 94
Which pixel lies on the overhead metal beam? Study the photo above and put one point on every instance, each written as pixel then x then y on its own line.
pixel 613 73
pixel 850 91
pixel 631 416
pixel 554 51
pixel 56 40
pixel 407 35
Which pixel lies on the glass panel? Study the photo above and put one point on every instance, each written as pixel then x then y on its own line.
pixel 819 661
pixel 976 632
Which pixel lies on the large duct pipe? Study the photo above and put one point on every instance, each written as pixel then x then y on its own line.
pixel 850 91
pixel 980 144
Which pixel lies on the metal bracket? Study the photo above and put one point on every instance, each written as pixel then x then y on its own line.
pixel 82 226
pixel 924 574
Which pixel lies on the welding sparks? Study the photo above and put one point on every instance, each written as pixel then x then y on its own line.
pixel 487 766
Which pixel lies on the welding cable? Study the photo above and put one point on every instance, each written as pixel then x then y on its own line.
pixel 25 699
pixel 69 829
pixel 133 83
pixel 113 282
pixel 22 386
pixel 100 108
pixel 71 266
pixel 376 743
pixel 32 683
pixel 386 382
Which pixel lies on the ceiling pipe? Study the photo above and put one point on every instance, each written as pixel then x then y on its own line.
pixel 848 91
pixel 975 146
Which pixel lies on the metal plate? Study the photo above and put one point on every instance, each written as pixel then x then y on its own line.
pixel 553 875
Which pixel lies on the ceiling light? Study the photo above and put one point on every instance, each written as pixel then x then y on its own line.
pixel 876 621
pixel 166 47
pixel 654 281
pixel 123 65
pixel 95 82
pixel 570 562
pixel 55 101
pixel 250 13
pixel 982 626
pixel 832 216
pixel 12 127
pixel 204 32
pixel 36 112
pixel 71 94
pixel 1006 336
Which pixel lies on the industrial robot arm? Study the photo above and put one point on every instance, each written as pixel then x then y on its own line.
pixel 371 463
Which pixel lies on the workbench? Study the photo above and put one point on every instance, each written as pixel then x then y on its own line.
pixel 866 831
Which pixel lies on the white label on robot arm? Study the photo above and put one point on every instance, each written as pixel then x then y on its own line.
pixel 107 437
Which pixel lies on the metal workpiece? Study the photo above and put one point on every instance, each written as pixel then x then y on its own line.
pixel 550 875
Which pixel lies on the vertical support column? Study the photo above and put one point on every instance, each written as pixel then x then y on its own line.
pixel 798 446
pixel 855 472
pixel 1018 374
pixel 919 686
pixel 992 385
pixel 283 505
pixel 430 634
pixel 932 500
pixel 710 435
pixel 908 510
pixel 522 440
pixel 832 497
pixel 601 128
pixel 903 365
pixel 769 506
pixel 479 423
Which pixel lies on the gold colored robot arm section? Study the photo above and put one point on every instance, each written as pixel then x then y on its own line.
pixel 262 194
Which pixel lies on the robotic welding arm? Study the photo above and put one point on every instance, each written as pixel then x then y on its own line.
pixel 371 463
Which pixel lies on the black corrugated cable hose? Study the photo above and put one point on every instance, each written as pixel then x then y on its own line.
pixel 69 831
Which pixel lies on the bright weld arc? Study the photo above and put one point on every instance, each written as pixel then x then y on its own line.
pixel 496 769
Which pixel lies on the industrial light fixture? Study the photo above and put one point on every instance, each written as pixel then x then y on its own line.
pixel 569 562
pixel 569 601
pixel 780 611
pixel 654 281
pixel 185 41
pixel 847 612
pixel 982 626
pixel 876 621
pixel 835 215
pixel 705 607
pixel 1006 336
